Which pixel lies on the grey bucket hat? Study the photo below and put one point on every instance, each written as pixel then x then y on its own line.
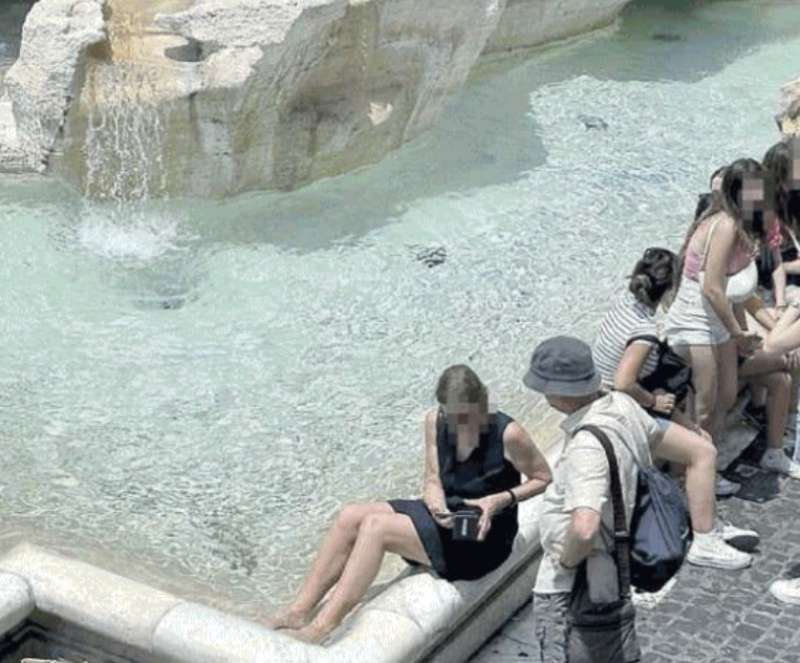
pixel 562 366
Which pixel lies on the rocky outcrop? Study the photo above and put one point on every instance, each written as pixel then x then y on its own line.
pixel 41 85
pixel 788 117
pixel 529 23
pixel 136 98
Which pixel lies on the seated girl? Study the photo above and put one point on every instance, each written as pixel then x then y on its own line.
pixel 473 457
pixel 627 348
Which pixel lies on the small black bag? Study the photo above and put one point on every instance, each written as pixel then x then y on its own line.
pixel 673 374
pixel 661 530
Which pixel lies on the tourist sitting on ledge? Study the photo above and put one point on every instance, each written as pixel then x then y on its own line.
pixel 463 527
pixel 628 350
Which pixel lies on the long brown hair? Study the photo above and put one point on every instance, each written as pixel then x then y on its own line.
pixel 750 228
pixel 778 163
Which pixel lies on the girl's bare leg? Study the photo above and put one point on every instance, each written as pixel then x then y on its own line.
pixel 379 533
pixel 704 376
pixel 779 391
pixel 727 386
pixel 680 445
pixel 785 337
pixel 328 564
pixel 761 363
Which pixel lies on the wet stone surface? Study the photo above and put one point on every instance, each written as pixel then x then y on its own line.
pixel 711 616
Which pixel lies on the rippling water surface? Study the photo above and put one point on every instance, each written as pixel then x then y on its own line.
pixel 189 389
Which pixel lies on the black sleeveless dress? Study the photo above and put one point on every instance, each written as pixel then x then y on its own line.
pixel 485 472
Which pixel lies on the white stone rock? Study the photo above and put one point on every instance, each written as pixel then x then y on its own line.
pixel 789 108
pixel 42 83
pixel 529 23
pixel 16 601
pixel 103 603
pixel 232 95
pixel 193 633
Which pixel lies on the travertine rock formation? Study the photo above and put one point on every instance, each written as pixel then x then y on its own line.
pixel 136 98
pixel 789 114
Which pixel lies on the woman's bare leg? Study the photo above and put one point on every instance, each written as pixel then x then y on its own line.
pixel 379 533
pixel 779 391
pixel 328 564
pixel 680 445
pixel 761 363
pixel 785 337
pixel 727 386
pixel 704 376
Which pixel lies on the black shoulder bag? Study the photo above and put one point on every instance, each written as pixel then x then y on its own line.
pixel 673 373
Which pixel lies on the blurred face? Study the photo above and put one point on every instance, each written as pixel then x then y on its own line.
pixel 465 416
pixel 754 204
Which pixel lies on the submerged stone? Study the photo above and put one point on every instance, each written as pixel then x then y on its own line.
pixel 593 122
pixel 432 256
pixel 666 36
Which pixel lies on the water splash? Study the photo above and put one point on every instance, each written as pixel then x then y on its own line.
pixel 140 237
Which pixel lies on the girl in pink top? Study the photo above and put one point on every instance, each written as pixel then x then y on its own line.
pixel 701 324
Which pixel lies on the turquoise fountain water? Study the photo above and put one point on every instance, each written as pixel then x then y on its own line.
pixel 190 389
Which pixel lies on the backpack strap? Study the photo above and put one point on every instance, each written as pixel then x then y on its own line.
pixel 622 541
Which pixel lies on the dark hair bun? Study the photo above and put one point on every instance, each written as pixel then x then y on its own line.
pixel 641 284
pixel 653 275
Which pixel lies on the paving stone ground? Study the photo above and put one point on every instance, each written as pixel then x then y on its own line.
pixel 712 616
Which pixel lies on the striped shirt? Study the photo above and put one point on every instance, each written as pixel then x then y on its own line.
pixel 627 319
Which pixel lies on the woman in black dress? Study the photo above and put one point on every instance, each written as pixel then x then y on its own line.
pixel 473 457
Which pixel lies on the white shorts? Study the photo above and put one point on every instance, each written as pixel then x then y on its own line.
pixel 692 320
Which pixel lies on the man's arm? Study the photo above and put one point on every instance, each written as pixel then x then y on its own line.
pixel 579 541
pixel 587 489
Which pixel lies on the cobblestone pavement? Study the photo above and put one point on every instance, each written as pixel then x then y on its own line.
pixel 710 615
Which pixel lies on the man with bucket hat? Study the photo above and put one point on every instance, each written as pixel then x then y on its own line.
pixel 578 584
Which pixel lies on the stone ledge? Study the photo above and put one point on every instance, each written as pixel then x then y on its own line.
pixel 415 617
pixel 16 601
pixel 120 609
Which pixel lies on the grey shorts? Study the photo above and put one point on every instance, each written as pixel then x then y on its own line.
pixel 551 626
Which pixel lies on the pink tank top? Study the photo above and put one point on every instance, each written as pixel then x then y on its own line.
pixel 694 261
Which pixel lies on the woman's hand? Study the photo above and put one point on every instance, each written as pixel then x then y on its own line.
pixel 747 344
pixel 441 514
pixel 489 506
pixel 443 518
pixel 663 403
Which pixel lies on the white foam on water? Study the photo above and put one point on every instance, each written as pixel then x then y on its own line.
pixel 145 237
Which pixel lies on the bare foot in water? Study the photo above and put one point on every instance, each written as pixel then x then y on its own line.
pixel 287 618
pixel 313 634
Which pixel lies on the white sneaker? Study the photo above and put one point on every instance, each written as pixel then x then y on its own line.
pixel 775 460
pixel 709 549
pixel 726 488
pixel 746 539
pixel 787 591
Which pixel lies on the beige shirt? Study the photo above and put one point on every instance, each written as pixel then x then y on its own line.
pixel 581 479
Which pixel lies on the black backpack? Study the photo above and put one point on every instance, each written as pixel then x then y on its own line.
pixel 661 530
